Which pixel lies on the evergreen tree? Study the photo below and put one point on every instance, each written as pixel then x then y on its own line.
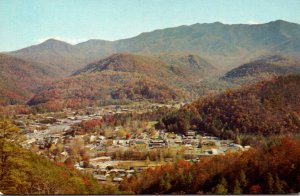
pixel 161 156
pixel 222 187
pixel 238 140
pixel 278 185
pixel 165 184
pixel 147 160
pixel 243 179
pixel 270 184
pixel 237 187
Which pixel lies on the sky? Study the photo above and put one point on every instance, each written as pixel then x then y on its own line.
pixel 29 22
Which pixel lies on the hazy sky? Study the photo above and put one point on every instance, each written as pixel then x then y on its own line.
pixel 27 22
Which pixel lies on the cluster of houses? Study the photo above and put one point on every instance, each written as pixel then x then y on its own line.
pixel 105 169
pixel 44 131
pixel 115 175
pixel 162 139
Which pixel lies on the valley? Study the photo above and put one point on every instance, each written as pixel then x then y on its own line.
pixel 123 151
pixel 207 108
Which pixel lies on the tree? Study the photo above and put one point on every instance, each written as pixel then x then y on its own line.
pixel 147 161
pixel 76 146
pixel 165 184
pixel 237 187
pixel 221 188
pixel 8 133
pixel 270 184
pixel 161 156
pixel 85 159
pixel 160 125
pixel 121 133
pixel 278 185
pixel 238 140
pixel 243 179
pixel 255 189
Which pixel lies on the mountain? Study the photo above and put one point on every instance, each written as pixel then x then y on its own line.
pixel 189 66
pixel 222 44
pixel 264 67
pixel 217 39
pixel 20 79
pixel 58 54
pixel 125 62
pixel 265 108
pixel 120 77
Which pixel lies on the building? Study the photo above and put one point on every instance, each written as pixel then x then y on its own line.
pixel 101 177
pixel 191 134
pixel 117 179
pixel 157 143
pixel 102 159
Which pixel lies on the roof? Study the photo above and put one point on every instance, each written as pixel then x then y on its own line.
pixel 116 179
pixel 117 170
pixel 100 177
pixel 101 158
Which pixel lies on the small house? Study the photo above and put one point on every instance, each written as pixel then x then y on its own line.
pixel 157 144
pixel 117 179
pixel 191 134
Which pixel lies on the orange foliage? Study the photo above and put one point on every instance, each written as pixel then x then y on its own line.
pixel 281 162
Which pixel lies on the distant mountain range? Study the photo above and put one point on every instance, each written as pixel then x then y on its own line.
pixel 221 44
pixel 169 64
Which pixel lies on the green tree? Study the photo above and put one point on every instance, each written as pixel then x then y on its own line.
pixel 147 161
pixel 222 187
pixel 165 184
pixel 238 140
pixel 161 156
pixel 23 172
pixel 9 133
pixel 278 185
pixel 243 179
pixel 237 187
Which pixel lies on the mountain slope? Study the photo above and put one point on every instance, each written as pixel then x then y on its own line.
pixel 221 44
pixel 124 62
pixel 188 65
pixel 19 79
pixel 268 107
pixel 264 67
pixel 120 77
pixel 272 169
pixel 62 56
pixel 25 172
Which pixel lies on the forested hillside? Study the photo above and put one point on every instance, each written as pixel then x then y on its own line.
pixel 94 88
pixel 268 170
pixel 263 68
pixel 24 172
pixel 266 108
pixel 125 77
pixel 20 79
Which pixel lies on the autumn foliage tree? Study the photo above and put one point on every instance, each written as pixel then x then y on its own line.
pixel 23 172
pixel 273 169
pixel 266 108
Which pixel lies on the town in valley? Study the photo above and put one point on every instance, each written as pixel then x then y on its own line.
pixel 116 154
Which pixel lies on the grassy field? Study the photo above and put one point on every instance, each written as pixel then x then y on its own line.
pixel 128 164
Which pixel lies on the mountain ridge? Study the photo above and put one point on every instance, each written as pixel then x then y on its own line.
pixel 266 66
pixel 222 44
